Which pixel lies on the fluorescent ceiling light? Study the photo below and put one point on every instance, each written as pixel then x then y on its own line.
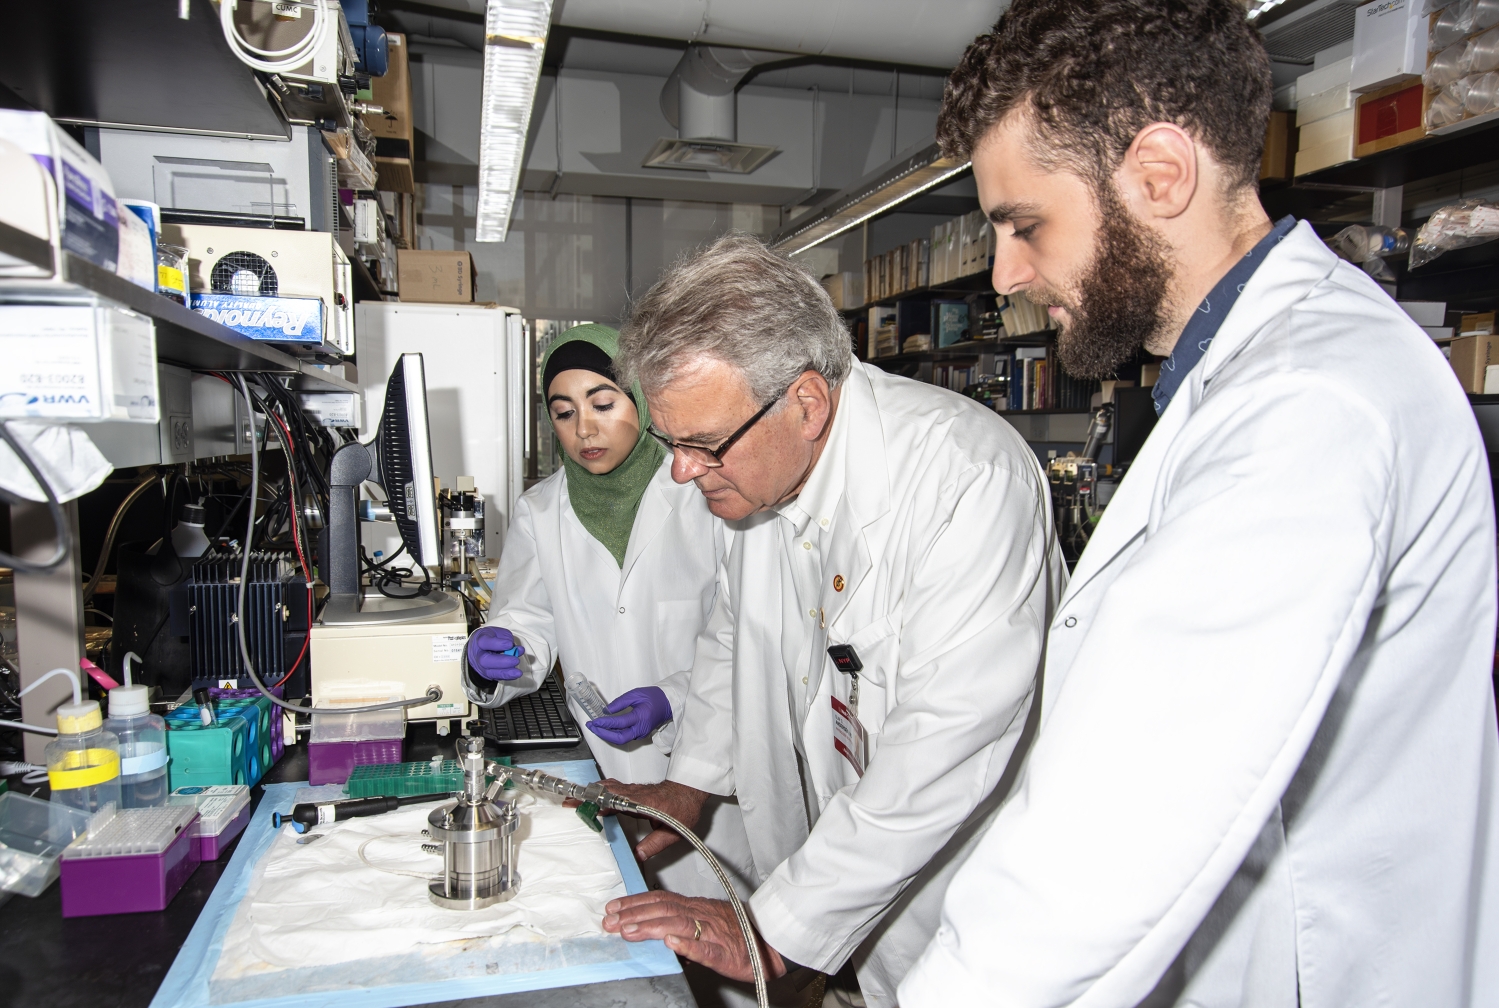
pixel 708 155
pixel 869 197
pixel 515 37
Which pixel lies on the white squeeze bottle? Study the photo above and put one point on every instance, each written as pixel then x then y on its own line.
pixel 143 744
pixel 83 762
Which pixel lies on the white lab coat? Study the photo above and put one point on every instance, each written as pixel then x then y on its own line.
pixel 563 596
pixel 943 546
pixel 1267 770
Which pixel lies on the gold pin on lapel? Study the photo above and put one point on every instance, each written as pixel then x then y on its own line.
pixel 837 582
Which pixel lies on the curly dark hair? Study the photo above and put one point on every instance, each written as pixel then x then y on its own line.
pixel 1094 73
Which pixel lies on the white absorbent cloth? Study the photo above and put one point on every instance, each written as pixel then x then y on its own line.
pixel 64 453
pixel 318 904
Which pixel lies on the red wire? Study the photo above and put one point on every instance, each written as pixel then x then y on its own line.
pixel 296 536
pixel 296 539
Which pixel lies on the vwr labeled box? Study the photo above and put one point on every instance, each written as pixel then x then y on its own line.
pixel 430 275
pixel 77 363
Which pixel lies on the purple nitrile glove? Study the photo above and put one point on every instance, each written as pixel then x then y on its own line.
pixel 493 653
pixel 636 714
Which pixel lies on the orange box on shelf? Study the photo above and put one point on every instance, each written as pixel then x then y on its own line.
pixel 1390 117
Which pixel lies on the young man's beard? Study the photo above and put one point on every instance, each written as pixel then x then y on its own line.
pixel 1118 301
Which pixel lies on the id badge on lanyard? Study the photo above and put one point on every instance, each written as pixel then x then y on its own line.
pixel 849 736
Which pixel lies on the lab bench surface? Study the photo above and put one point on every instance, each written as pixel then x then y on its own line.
pixel 119 961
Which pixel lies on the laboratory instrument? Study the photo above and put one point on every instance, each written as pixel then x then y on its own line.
pixel 129 861
pixel 595 797
pixel 309 814
pixel 1073 481
pixel 476 836
pixel 462 510
pixel 142 739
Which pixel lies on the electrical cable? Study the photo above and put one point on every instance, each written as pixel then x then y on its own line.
pixel 34 773
pixel 432 695
pixel 54 506
pixel 274 60
pixel 285 437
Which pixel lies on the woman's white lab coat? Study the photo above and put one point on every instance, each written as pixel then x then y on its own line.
pixel 563 596
pixel 1267 771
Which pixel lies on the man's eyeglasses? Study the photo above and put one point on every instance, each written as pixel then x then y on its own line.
pixel 712 457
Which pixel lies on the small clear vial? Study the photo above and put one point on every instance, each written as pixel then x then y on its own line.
pixel 587 695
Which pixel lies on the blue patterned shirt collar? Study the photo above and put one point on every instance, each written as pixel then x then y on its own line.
pixel 1206 320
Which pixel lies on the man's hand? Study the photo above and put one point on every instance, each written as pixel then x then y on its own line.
pixel 678 800
pixel 703 930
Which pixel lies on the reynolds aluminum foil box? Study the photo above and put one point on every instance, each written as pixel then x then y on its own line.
pixel 274 319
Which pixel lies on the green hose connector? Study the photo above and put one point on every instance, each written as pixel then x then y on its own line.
pixel 589 813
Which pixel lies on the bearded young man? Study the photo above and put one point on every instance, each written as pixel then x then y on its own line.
pixel 1267 770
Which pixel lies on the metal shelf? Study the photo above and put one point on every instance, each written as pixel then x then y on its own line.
pixel 183 337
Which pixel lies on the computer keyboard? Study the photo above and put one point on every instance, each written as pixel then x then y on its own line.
pixel 537 720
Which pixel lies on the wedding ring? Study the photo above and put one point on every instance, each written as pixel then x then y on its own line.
pixel 697 930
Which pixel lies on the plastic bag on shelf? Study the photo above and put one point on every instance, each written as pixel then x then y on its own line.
pixel 1483 94
pixel 1452 25
pixel 1447 66
pixel 1483 51
pixel 1485 14
pixel 1447 107
pixel 1465 223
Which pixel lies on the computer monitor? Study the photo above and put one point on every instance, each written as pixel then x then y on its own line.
pixel 404 459
pixel 399 459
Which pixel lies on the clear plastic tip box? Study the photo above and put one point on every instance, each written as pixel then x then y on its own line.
pixel 129 861
pixel 33 834
pixel 341 742
pixel 223 813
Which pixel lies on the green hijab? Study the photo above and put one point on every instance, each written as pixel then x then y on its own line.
pixel 606 503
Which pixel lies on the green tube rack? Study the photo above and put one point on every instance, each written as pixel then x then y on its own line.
pixel 236 749
pixel 397 780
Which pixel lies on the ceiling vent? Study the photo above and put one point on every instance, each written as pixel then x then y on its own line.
pixel 699 100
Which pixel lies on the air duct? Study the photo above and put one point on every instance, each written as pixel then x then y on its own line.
pixel 699 99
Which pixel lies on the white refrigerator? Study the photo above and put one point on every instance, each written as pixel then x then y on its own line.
pixel 475 362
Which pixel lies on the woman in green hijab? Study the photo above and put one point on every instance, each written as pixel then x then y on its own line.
pixel 611 568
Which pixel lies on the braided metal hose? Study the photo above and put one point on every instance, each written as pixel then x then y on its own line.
pixel 600 797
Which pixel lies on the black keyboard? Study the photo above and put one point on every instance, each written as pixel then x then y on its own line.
pixel 537 720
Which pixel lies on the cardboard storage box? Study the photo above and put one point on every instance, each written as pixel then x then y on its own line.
pixel 431 275
pixel 1324 155
pixel 1390 117
pixel 1478 324
pixel 1471 357
pixel 1279 158
pixel 393 93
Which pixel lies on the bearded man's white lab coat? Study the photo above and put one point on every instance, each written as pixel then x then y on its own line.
pixel 1267 771
pixel 563 596
pixel 928 524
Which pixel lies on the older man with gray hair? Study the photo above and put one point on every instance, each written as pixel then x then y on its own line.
pixel 870 667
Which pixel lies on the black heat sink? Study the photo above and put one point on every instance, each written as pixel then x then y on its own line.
pixel 276 620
